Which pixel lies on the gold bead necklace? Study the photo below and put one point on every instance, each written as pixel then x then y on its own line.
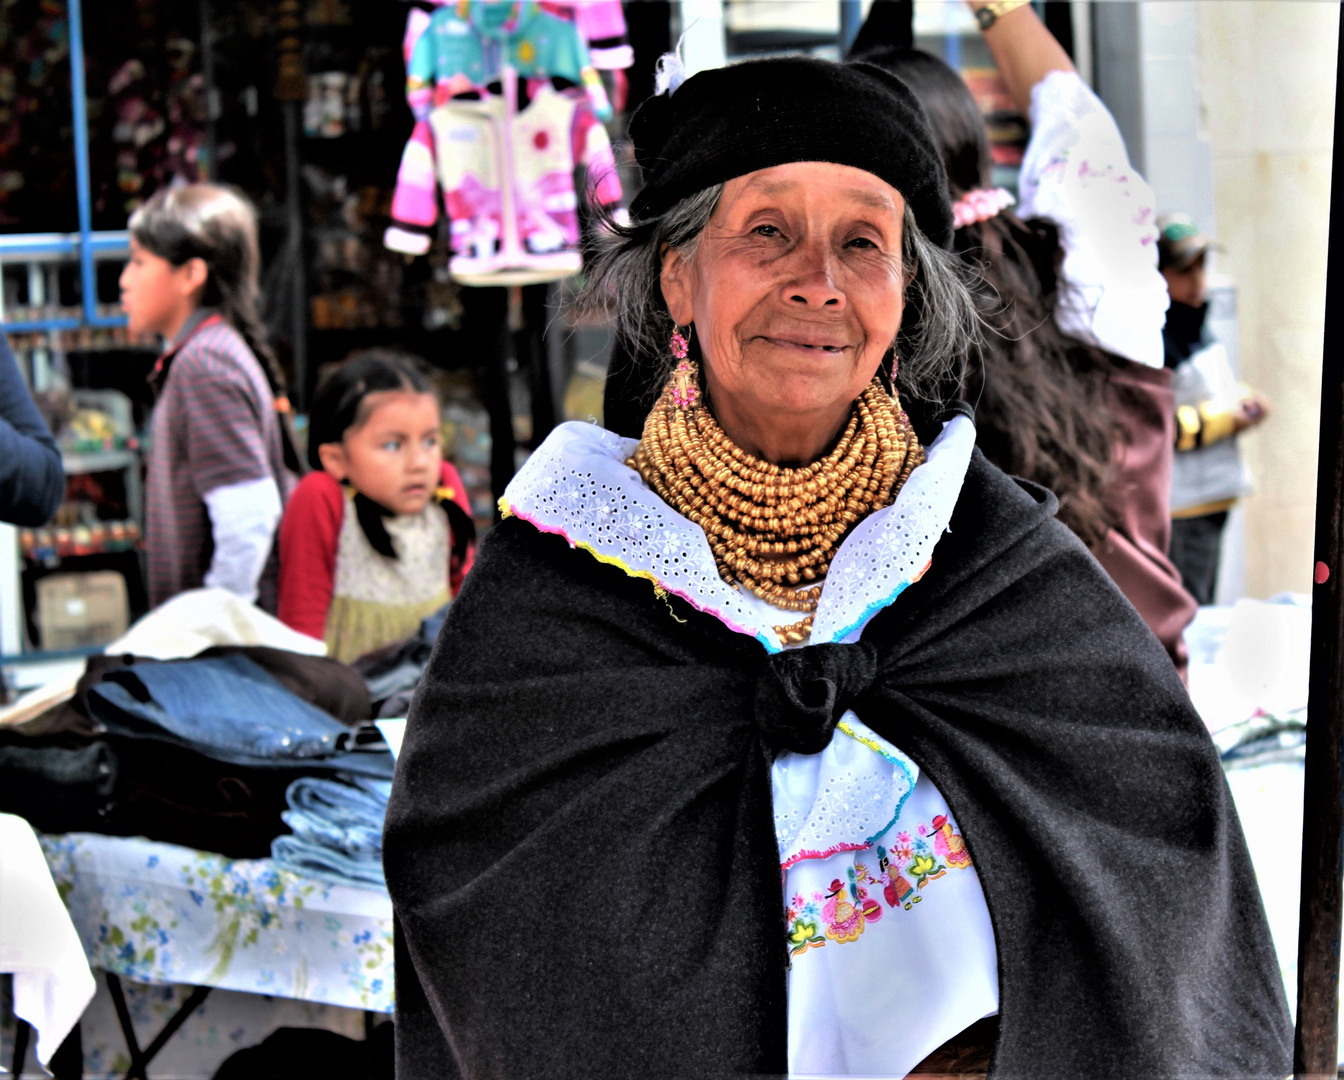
pixel 773 529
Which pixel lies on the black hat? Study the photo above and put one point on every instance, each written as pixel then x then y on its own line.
pixel 730 121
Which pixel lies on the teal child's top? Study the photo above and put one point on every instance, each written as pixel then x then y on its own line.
pixel 471 41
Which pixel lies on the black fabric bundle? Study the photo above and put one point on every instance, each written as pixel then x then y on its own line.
pixel 730 121
pixel 66 771
pixel 582 859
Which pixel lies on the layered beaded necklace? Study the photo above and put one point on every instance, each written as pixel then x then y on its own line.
pixel 773 529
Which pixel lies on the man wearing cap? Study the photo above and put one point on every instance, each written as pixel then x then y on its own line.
pixel 1212 409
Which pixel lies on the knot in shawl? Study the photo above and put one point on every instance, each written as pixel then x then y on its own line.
pixel 802 693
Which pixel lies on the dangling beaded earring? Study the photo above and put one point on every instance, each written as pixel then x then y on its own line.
pixel 684 378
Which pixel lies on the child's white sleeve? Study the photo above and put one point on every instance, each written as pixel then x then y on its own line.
pixel 243 520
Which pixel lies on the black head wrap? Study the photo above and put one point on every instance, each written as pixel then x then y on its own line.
pixel 730 121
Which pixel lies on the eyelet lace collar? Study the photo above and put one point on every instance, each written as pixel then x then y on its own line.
pixel 578 486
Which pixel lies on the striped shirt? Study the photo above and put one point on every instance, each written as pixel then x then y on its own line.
pixel 214 424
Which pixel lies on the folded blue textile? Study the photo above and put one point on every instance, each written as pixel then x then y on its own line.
pixel 338 829
pixel 341 813
pixel 227 702
pixel 231 709
pixel 327 864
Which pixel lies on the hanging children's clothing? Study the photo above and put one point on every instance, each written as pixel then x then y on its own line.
pixel 507 175
pixel 602 24
pixel 468 44
pixel 508 183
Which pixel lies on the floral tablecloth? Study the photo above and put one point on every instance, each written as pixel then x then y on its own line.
pixel 159 913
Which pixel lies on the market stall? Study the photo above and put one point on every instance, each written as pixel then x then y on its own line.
pixel 271 781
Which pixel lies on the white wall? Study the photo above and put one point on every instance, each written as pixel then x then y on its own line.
pixel 1266 82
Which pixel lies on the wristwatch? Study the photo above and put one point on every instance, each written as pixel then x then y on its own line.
pixel 989 13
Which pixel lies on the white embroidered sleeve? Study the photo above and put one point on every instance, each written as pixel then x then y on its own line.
pixel 1077 174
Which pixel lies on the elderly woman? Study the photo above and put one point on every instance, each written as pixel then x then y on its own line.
pixel 794 736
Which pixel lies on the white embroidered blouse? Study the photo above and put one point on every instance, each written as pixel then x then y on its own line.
pixel 890 943
pixel 1077 173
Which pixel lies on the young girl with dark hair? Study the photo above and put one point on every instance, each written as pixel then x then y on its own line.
pixel 1068 381
pixel 221 460
pixel 379 534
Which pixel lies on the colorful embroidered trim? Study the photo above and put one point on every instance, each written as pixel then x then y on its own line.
pixel 843 912
pixel 770 645
pixel 876 744
pixel 878 605
pixel 835 849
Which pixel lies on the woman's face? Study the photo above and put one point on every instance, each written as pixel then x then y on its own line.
pixel 796 293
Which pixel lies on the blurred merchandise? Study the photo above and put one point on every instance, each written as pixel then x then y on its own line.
pixel 466 441
pixel 1007 128
pixel 324 113
pixel 49 545
pixel 75 611
pixel 97 420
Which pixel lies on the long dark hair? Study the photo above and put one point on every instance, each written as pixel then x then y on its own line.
pixel 340 404
pixel 218 226
pixel 1040 394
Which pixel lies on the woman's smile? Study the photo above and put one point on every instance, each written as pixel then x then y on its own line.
pixel 806 346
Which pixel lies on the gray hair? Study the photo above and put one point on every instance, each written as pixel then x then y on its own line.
pixel 940 326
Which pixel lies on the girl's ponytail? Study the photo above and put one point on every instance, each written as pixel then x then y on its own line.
pixel 219 226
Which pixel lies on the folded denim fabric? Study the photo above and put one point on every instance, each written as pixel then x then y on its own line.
pixel 359 798
pixel 355 840
pixel 232 710
pixel 399 668
pixel 229 703
pixel 326 864
pixel 345 815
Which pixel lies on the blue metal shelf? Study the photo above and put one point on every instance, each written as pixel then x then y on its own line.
pixel 87 247
pixel 34 247
pixel 86 244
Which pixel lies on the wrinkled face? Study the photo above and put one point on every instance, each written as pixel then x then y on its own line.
pixel 393 456
pixel 795 289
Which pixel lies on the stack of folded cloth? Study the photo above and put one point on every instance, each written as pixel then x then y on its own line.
pixel 338 829
pixel 199 752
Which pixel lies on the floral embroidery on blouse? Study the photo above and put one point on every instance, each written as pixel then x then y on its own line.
pixel 841 913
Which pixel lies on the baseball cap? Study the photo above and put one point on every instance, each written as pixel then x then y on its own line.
pixel 1180 242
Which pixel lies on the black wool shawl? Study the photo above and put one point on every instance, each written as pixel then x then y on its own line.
pixel 582 859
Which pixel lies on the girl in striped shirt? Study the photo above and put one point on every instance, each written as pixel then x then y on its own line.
pixel 221 461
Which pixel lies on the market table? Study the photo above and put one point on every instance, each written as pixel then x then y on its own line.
pixel 160 913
